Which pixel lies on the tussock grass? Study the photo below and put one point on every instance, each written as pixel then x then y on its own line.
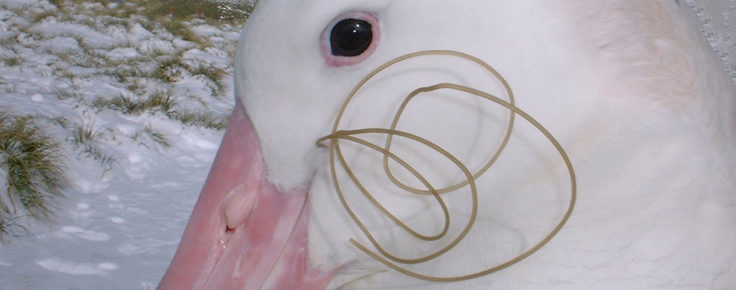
pixel 178 10
pixel 212 10
pixel 174 16
pixel 67 93
pixel 10 227
pixel 33 167
pixel 150 134
pixel 133 105
pixel 180 29
pixel 9 39
pixel 216 75
pixel 157 137
pixel 204 120
pixel 58 3
pixel 125 72
pixel 42 16
pixel 74 58
pixel 161 101
pixel 30 160
pixel 170 69
pixel 61 121
pixel 11 61
pixel 109 21
pixel 86 139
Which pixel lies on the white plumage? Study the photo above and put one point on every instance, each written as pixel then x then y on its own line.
pixel 629 88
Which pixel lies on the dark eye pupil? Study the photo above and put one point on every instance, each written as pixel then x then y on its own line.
pixel 351 37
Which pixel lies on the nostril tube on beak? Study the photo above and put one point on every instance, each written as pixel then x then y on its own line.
pixel 238 206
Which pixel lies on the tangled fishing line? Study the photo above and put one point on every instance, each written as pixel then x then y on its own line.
pixel 384 256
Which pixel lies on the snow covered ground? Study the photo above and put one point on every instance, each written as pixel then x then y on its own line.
pixel 133 185
pixel 718 19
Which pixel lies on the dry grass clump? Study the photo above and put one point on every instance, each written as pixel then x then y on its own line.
pixel 134 105
pixel 87 139
pixel 204 120
pixel 230 11
pixel 32 165
pixel 178 10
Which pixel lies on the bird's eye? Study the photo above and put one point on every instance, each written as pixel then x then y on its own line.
pixel 350 38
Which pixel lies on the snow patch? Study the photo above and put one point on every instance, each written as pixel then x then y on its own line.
pixel 72 268
pixel 156 46
pixel 121 54
pixel 90 37
pixel 61 45
pixel 198 143
pixel 135 173
pixel 89 186
pixel 85 234
pixel 116 207
pixel 135 158
pixel 117 220
pixel 37 98
pixel 206 30
pixel 107 266
pixel 138 33
pixel 128 217
pixel 128 249
pixel 137 211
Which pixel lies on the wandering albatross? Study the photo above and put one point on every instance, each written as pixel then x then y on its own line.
pixel 470 145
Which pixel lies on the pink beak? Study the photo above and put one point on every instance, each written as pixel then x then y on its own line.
pixel 244 233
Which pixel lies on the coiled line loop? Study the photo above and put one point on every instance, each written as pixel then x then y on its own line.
pixel 353 136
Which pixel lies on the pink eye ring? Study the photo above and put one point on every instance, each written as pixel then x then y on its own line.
pixel 349 39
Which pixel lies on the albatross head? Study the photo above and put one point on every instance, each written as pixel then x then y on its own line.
pixel 291 198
